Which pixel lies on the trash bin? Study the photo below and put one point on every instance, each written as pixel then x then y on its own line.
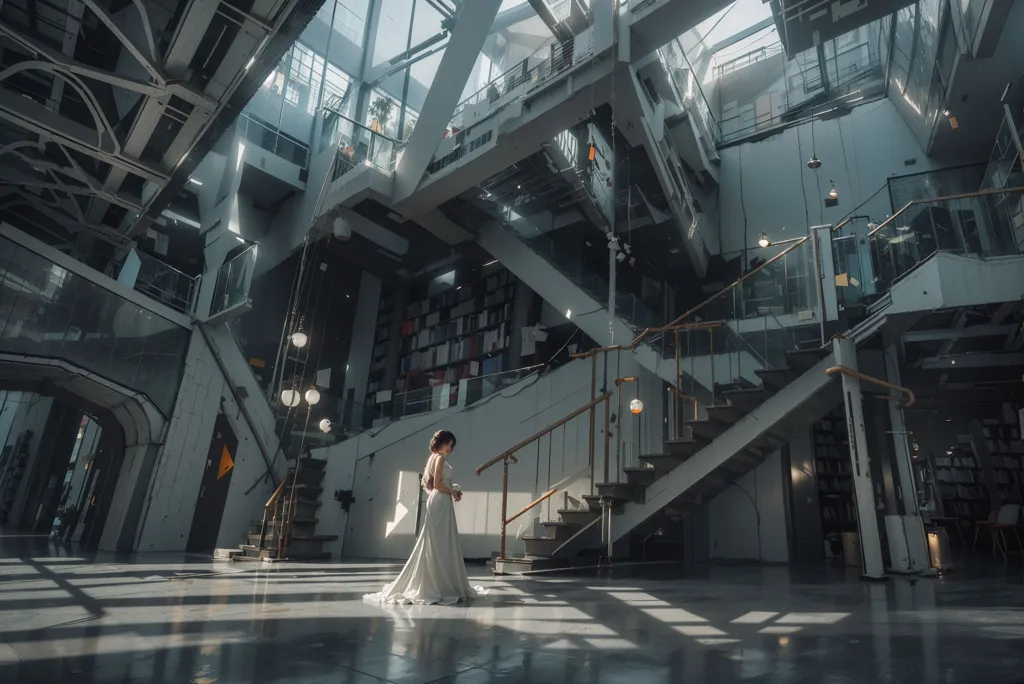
pixel 851 549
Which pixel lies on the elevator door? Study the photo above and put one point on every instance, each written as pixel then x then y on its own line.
pixel 213 493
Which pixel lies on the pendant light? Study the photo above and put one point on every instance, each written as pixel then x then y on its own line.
pixel 313 396
pixel 764 241
pixel 299 338
pixel 833 194
pixel 290 398
pixel 814 162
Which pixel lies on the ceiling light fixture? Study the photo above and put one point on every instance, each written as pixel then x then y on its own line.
pixel 313 396
pixel 193 181
pixel 764 241
pixel 299 338
pixel 814 162
pixel 833 193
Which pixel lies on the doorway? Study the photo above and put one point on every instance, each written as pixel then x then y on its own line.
pixel 213 493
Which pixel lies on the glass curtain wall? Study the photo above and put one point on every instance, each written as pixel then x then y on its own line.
pixel 318 68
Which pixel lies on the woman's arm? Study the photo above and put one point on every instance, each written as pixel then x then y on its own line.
pixel 438 472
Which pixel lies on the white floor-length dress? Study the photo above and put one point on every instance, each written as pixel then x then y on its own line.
pixel 435 572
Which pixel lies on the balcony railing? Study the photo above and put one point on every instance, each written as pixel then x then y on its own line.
pixel 233 281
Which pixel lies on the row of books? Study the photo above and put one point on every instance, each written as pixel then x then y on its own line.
pixel 455 373
pixel 955 462
pixel 494 288
pixel 833 467
pixel 948 475
pixel 458 350
pixel 455 328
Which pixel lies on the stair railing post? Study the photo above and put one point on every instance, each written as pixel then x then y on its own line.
pixel 593 415
pixel 711 337
pixel 678 388
pixel 607 437
pixel 504 507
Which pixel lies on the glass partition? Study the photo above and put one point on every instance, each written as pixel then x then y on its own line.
pixel 358 146
pixel 233 280
pixel 166 284
pixel 46 310
pixel 465 392
pixel 981 226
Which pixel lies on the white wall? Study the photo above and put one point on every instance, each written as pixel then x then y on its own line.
pixel 174 487
pixel 763 184
pixel 382 468
pixel 733 529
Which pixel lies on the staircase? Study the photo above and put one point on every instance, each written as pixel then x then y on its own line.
pixel 287 531
pixel 740 430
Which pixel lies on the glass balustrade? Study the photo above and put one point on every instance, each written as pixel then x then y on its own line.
pixel 233 281
pixel 981 226
pixel 465 392
pixel 359 146
pixel 46 310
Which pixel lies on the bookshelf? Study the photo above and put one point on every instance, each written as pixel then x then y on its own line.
pixel 834 474
pixel 960 483
pixel 381 343
pixel 444 336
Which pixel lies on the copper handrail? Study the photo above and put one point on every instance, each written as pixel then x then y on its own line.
pixel 536 501
pixel 509 455
pixel 947 198
pixel 273 497
pixel 702 325
pixel 843 370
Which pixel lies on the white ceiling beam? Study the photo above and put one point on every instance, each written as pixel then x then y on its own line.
pixel 958 333
pixel 51 126
pixel 959 361
pixel 147 61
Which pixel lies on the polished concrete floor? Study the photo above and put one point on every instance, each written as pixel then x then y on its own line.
pixel 75 618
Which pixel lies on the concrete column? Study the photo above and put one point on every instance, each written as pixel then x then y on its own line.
pixel 867 518
pixel 360 350
pixel 906 491
pixel 466 42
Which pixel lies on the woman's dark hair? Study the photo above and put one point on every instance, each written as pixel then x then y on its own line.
pixel 440 438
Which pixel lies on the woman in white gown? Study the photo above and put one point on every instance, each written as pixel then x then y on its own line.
pixel 435 572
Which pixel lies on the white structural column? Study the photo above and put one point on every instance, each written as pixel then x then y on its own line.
pixel 912 526
pixel 867 517
pixel 466 42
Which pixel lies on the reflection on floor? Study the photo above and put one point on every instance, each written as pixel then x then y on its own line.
pixel 184 620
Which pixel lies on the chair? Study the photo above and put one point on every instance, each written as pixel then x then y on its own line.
pixel 1006 521
pixel 992 515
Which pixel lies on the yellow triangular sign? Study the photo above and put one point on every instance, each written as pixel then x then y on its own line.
pixel 226 462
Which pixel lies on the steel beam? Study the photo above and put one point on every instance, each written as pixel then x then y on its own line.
pixel 957 333
pixel 959 361
pixel 466 41
pixel 147 62
pixel 51 126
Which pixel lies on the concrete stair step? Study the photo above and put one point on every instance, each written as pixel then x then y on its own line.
pixel 775 379
pixel 560 530
pixel 747 399
pixel 726 414
pixel 803 359
pixel 577 517
pixel 640 477
pixel 686 447
pixel 663 463
pixel 707 429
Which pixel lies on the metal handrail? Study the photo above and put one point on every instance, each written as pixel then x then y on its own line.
pixel 947 198
pixel 906 401
pixel 509 455
pixel 529 506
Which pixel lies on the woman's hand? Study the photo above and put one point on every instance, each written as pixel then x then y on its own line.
pixel 457 495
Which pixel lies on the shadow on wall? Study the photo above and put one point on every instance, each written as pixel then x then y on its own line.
pixel 383 469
